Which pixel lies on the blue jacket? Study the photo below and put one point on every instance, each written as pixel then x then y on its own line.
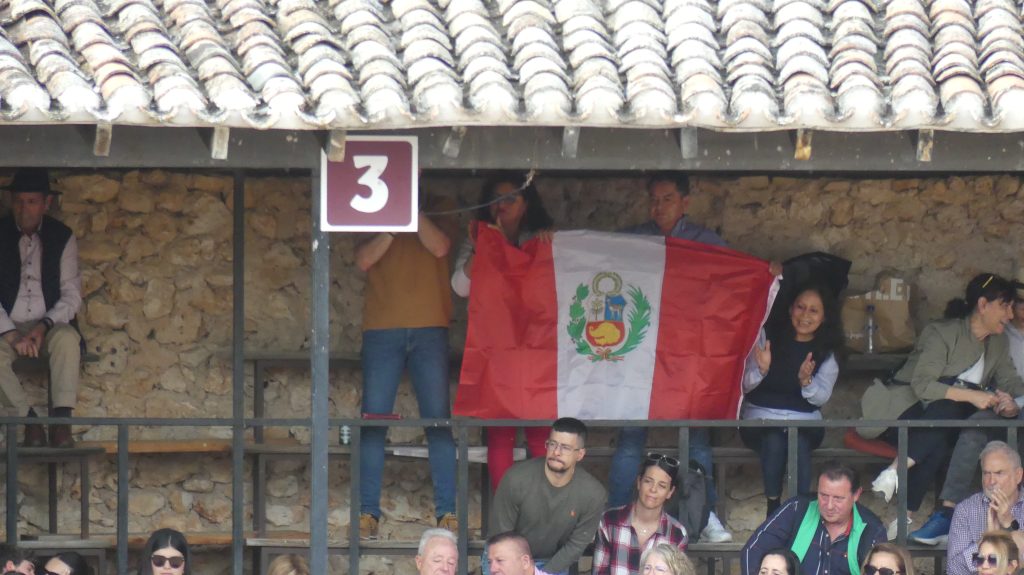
pixel 824 555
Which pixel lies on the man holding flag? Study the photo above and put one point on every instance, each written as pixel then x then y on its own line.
pixel 669 198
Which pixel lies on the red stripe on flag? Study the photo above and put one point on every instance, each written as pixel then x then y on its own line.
pixel 712 303
pixel 510 362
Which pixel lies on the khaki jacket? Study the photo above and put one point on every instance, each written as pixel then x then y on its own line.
pixel 945 349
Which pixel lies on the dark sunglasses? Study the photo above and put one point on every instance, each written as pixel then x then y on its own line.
pixel 980 560
pixel 175 562
pixel 872 570
pixel 658 458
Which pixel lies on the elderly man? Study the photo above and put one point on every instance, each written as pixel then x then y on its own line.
pixel 550 501
pixel 508 553
pixel 13 560
pixel 438 553
pixel 822 532
pixel 998 507
pixel 40 294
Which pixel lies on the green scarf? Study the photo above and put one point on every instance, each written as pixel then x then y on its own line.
pixel 809 526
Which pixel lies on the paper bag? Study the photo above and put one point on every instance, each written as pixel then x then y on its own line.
pixel 894 329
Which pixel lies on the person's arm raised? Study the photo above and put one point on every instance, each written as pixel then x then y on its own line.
pixel 370 251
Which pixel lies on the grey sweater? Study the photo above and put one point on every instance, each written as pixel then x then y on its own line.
pixel 559 522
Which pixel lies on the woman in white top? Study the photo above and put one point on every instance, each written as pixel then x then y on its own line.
pixel 790 375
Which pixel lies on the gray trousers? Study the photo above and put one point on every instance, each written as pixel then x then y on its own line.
pixel 61 347
pixel 963 464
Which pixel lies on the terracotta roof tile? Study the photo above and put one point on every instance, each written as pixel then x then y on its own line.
pixel 314 64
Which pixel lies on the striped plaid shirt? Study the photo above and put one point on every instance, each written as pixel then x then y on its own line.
pixel 970 520
pixel 617 548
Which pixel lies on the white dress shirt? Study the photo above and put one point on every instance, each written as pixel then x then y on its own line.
pixel 30 305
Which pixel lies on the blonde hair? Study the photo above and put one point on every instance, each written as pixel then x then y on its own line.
pixel 677 562
pixel 902 555
pixel 1005 546
pixel 290 564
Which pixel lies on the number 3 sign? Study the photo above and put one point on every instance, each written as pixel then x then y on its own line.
pixel 375 189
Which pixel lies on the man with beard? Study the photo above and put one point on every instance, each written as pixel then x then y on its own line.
pixel 832 534
pixel 551 502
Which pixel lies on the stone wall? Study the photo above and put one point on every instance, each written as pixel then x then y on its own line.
pixel 156 259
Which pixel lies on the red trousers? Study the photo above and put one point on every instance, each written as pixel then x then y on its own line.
pixel 501 440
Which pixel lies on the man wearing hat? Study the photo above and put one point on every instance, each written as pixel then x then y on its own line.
pixel 40 294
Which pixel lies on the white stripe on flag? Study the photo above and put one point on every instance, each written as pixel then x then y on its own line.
pixel 591 388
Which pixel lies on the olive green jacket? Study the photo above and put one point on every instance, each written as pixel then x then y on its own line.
pixel 945 349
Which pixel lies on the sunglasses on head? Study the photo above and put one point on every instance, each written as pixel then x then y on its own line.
pixel 979 560
pixel 160 560
pixel 657 458
pixel 872 570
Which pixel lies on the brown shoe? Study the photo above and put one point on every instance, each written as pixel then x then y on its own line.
pixel 60 435
pixel 448 521
pixel 368 525
pixel 35 436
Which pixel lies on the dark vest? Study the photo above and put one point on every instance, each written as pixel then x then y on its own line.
pixel 54 236
pixel 780 388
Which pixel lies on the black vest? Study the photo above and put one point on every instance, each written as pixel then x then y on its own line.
pixel 54 236
pixel 780 388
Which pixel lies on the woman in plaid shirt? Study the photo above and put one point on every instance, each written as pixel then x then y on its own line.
pixel 626 532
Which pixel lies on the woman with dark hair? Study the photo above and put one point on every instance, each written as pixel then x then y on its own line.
pixel 626 532
pixel 781 561
pixel 888 559
pixel 790 375
pixel 951 374
pixel 513 206
pixel 166 553
pixel 67 563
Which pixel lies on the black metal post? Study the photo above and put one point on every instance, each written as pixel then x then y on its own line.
pixel 12 484
pixel 238 376
pixel 462 498
pixel 901 480
pixel 320 319
pixel 122 499
pixel 684 457
pixel 86 481
pixel 51 499
pixel 354 498
pixel 792 435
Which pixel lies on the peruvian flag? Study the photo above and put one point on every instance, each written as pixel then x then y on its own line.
pixel 609 326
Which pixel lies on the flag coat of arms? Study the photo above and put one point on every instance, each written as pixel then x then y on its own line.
pixel 609 326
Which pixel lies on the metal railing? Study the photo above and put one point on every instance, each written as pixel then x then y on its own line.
pixel 460 428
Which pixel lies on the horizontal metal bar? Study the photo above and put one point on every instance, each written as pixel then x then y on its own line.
pixel 481 423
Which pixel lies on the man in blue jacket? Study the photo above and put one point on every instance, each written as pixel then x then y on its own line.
pixel 821 532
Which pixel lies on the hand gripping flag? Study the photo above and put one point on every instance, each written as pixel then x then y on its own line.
pixel 609 326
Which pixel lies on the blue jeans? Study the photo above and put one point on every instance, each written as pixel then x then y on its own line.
pixel 772 445
pixel 386 353
pixel 630 453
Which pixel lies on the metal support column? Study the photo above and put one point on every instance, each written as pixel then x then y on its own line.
pixel 238 376
pixel 462 497
pixel 354 499
pixel 122 499
pixel 792 477
pixel 320 320
pixel 12 485
pixel 684 461
pixel 901 479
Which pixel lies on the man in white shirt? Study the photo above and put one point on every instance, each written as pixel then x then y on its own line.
pixel 40 294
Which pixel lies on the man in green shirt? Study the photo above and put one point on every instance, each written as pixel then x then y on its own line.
pixel 551 502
